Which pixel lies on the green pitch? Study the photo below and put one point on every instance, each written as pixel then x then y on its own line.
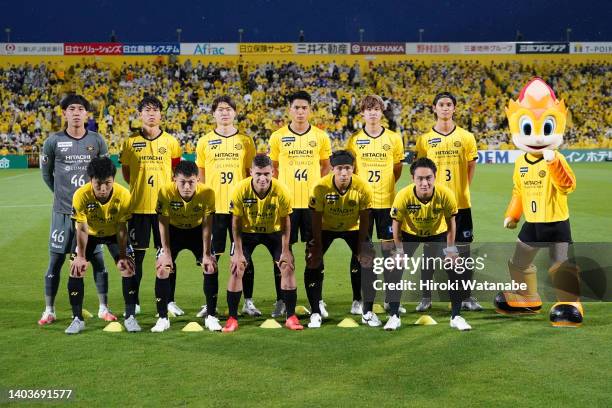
pixel 503 361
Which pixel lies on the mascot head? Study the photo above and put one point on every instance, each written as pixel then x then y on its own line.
pixel 536 118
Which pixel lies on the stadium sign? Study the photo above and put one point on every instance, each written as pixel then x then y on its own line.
pixel 572 156
pixel 378 48
pixel 591 48
pixel 13 162
pixel 323 48
pixel 209 49
pixel 265 48
pixel 488 48
pixel 32 49
pixel 93 49
pixel 542 48
pixel 152 49
pixel 433 48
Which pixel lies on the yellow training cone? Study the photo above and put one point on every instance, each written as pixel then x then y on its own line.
pixel 425 320
pixel 270 324
pixel 348 322
pixel 302 311
pixel 377 308
pixel 113 327
pixel 193 327
pixel 86 314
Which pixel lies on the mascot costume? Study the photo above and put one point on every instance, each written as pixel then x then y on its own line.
pixel 542 181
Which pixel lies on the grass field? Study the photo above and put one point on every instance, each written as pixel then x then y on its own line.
pixel 502 362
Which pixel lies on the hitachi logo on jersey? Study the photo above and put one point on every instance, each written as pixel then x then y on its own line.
pixel 288 139
pixel 434 141
pixel 139 145
pixel 78 157
pixel 301 152
pixel 64 144
pixel 362 141
pixel 340 211
pixel 214 142
pixel 374 155
pixel 152 158
pixel 226 155
pixel 446 152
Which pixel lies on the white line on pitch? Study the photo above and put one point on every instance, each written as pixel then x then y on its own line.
pixel 25 206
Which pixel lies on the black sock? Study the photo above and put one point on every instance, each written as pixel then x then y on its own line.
pixel 100 275
pixel 211 289
pixel 248 281
pixel 233 298
pixel 52 277
pixel 128 285
pixel 313 280
pixel 356 281
pixel 161 296
pixel 277 282
pixel 290 298
pixel 139 256
pixel 171 285
pixel 394 308
pixel 76 291
pixel 367 307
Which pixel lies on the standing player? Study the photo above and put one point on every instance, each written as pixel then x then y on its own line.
pixel 185 209
pixel 63 162
pixel 424 213
pixel 147 159
pixel 223 157
pixel 260 209
pixel 300 155
pixel 454 152
pixel 340 204
pixel 378 156
pixel 101 209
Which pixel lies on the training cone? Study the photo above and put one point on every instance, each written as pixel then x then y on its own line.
pixel 86 314
pixel 425 320
pixel 113 327
pixel 271 324
pixel 192 327
pixel 377 308
pixel 302 311
pixel 348 322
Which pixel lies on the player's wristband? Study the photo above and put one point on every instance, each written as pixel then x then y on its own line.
pixel 450 251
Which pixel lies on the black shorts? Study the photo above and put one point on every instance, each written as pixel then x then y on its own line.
pixel 222 225
pixel 190 239
pixel 384 223
pixel 140 227
pixel 301 220
pixel 272 241
pixel 545 232
pixel 350 237
pixel 464 226
pixel 94 245
pixel 434 244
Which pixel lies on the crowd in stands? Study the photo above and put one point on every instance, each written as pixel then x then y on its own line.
pixel 30 96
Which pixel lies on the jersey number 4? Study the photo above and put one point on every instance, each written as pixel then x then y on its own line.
pixel 150 181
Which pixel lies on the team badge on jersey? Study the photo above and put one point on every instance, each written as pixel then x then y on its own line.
pixel 90 148
pixel 238 146
pixel 312 143
pixel 162 150
pixel 457 143
pixel 352 203
pixel 542 173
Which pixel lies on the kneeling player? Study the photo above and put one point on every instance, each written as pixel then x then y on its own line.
pixel 260 208
pixel 341 203
pixel 424 213
pixel 185 209
pixel 101 209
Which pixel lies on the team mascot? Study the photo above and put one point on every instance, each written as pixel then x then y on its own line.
pixel 542 181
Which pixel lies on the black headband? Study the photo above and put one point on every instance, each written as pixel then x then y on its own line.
pixel 341 157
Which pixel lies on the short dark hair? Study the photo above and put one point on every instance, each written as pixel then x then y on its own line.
pixel 74 99
pixel 101 168
pixel 423 162
pixel 186 168
pixel 223 99
pixel 445 94
pixel 149 100
pixel 261 161
pixel 301 95
pixel 342 157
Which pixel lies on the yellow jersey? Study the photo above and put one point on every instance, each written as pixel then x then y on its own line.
pixel 259 214
pixel 451 153
pixel 150 164
pixel 185 214
pixel 103 220
pixel 423 219
pixel 374 161
pixel 225 160
pixel 542 201
pixel 341 211
pixel 298 157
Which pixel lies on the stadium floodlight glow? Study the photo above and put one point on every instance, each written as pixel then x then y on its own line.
pixel 568 32
pixel 361 31
pixel 421 31
pixel 240 32
pixel 178 34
